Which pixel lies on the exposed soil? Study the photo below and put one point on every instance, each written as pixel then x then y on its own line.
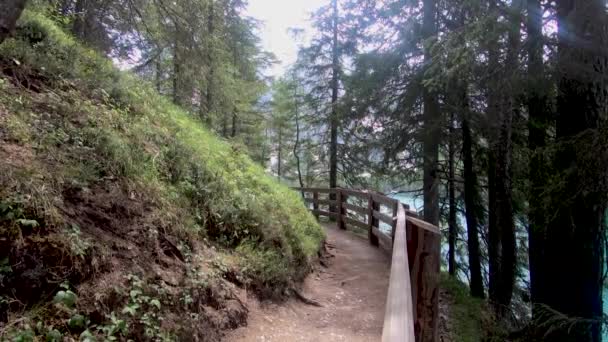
pixel 351 289
pixel 92 235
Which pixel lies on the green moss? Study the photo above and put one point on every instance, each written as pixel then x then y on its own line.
pixel 96 122
pixel 465 312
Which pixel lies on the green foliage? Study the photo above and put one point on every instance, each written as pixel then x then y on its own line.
pixel 106 123
pixel 265 266
pixel 25 335
pixel 141 307
pixel 5 267
pixel 466 313
pixel 88 126
pixel 78 244
pixel 54 336
pixel 77 322
pixel 66 298
pixel 113 329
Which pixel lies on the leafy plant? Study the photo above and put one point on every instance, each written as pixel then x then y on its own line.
pixel 77 322
pixel 115 327
pixel 66 297
pixel 78 245
pixel 143 308
pixel 5 267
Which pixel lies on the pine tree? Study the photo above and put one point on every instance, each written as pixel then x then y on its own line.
pixel 574 245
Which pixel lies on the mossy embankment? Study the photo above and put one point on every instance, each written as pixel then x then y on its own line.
pixel 120 215
pixel 462 317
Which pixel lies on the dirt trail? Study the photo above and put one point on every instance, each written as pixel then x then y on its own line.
pixel 352 291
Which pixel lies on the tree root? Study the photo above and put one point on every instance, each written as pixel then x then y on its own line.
pixel 305 300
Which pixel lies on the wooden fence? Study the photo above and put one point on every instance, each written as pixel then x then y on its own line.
pixel 413 294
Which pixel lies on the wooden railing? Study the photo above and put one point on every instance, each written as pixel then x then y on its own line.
pixel 413 293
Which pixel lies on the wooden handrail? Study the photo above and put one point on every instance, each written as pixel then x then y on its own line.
pixel 399 315
pixel 412 300
pixel 320 201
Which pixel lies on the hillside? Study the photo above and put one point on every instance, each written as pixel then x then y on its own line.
pixel 121 217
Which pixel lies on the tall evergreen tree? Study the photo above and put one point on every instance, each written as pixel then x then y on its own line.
pixel 322 66
pixel 574 244
pixel 431 122
pixel 538 106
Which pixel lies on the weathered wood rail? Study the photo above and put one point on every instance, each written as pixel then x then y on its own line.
pixel 413 293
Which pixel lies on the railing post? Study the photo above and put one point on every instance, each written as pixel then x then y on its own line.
pixel 375 207
pixel 339 209
pixel 343 210
pixel 424 248
pixel 373 239
pixel 315 204
pixel 394 225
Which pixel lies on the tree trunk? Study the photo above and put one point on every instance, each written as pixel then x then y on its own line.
pixel 432 125
pixel 472 201
pixel 503 181
pixel 209 107
pixel 279 153
pixel 452 222
pixel 235 124
pixel 79 24
pixel 263 153
pixel 502 248
pixel 493 119
pixel 296 145
pixel 576 235
pixel 334 121
pixel 538 111
pixel 10 11
pixel 159 74
pixel 176 72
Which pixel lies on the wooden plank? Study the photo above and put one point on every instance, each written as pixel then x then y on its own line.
pixel 320 201
pixel 324 213
pixel 355 193
pixel 411 213
pixel 354 222
pixel 424 225
pixel 383 217
pixel 423 248
pixel 384 200
pixel 319 190
pixel 355 208
pixel 399 317
pixel 394 225
pixel 383 238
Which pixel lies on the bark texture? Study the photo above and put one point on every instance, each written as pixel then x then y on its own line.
pixel 576 235
pixel 334 119
pixel 538 111
pixel 471 202
pixel 452 222
pixel 432 125
pixel 10 11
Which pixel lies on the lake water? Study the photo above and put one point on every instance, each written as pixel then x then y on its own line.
pixel 416 203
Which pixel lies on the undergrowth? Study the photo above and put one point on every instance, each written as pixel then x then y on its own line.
pixel 466 314
pixel 102 178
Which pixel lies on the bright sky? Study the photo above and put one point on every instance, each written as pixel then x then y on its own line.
pixel 277 17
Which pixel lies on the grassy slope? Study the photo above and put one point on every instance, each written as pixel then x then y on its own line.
pixel 107 185
pixel 467 316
